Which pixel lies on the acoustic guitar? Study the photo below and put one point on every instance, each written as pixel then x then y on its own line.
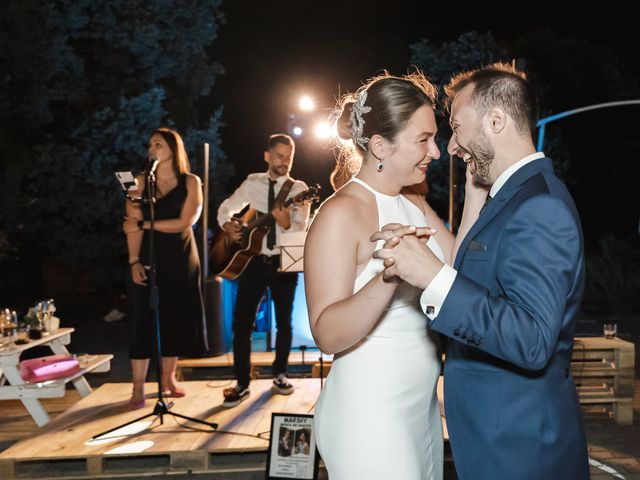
pixel 228 259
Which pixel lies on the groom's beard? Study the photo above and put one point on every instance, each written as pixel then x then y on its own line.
pixel 482 153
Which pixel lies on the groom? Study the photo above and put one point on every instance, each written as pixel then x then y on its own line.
pixel 509 302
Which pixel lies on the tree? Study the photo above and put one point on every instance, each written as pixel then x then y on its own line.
pixel 86 82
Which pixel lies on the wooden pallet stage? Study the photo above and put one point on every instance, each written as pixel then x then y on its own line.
pixel 259 360
pixel 63 448
pixel 237 450
pixel 604 373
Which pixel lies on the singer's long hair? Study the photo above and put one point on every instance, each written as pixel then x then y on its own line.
pixel 179 154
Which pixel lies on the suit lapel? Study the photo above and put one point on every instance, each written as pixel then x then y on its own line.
pixel 494 207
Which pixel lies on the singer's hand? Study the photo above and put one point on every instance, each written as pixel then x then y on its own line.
pixel 130 225
pixel 139 274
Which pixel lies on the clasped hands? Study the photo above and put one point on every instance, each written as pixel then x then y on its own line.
pixel 406 255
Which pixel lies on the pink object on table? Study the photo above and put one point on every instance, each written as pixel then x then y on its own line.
pixel 51 367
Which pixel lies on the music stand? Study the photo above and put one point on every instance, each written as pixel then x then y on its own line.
pixel 162 407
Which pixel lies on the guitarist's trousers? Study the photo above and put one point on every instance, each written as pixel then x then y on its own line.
pixel 262 272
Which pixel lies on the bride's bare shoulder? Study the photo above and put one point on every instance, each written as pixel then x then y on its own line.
pixel 346 204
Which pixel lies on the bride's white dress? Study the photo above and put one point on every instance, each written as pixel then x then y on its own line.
pixel 378 415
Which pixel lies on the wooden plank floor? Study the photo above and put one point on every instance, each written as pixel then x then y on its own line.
pixel 63 448
pixel 65 437
pixel 70 433
pixel 258 359
pixel 242 430
pixel 17 424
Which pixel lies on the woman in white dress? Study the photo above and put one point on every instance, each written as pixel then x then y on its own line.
pixel 378 415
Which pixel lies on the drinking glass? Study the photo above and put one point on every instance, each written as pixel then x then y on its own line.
pixel 22 335
pixel 5 338
pixel 610 330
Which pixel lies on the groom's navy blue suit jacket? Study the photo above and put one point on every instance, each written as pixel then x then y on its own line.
pixel 510 401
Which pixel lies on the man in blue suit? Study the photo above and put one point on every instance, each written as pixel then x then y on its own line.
pixel 508 304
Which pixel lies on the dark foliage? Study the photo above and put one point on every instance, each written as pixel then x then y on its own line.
pixel 85 82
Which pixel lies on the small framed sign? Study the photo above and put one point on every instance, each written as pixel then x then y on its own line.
pixel 292 448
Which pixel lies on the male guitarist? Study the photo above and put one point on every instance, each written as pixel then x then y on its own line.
pixel 265 192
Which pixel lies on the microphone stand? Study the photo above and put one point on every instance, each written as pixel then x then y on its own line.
pixel 162 407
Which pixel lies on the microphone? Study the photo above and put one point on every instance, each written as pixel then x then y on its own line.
pixel 153 164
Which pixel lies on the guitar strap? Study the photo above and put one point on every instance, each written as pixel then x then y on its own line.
pixel 282 195
pixel 284 191
pixel 279 200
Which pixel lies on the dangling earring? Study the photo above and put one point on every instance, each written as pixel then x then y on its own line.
pixel 379 166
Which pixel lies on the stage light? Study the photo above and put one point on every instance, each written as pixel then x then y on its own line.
pixel 297 131
pixel 323 130
pixel 306 104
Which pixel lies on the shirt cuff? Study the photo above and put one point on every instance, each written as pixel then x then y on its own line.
pixel 435 294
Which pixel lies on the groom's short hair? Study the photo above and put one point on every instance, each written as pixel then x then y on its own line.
pixel 499 85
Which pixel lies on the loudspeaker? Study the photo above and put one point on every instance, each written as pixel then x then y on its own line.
pixel 214 312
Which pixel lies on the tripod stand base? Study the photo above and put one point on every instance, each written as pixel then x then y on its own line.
pixel 161 408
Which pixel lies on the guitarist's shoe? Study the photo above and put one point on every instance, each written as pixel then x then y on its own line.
pixel 281 385
pixel 234 395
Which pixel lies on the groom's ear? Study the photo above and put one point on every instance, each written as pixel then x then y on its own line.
pixel 496 120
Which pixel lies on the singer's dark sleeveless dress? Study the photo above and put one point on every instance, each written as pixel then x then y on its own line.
pixel 182 324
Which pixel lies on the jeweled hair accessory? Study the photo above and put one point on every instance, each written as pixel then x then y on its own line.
pixel 357 122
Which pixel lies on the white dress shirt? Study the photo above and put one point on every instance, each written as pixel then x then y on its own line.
pixel 254 191
pixel 436 292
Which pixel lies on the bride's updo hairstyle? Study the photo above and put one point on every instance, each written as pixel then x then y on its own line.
pixel 383 106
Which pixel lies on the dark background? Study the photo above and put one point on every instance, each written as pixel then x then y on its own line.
pixel 275 51
pixel 231 72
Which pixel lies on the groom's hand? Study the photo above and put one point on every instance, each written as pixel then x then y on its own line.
pixel 476 192
pixel 409 258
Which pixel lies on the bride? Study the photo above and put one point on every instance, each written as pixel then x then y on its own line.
pixel 378 415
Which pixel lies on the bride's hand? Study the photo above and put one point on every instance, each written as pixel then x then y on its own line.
pixel 398 230
pixel 408 259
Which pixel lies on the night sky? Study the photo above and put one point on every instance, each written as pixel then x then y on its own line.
pixel 273 51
